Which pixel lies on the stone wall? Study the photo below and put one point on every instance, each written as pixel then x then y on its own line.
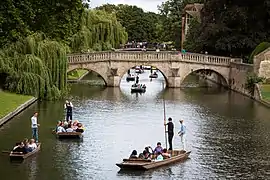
pixel 238 76
pixel 262 64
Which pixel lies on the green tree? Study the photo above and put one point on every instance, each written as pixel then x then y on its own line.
pixel 172 10
pixel 14 20
pixel 35 66
pixel 99 31
pixel 234 27
pixel 140 25
pixel 59 19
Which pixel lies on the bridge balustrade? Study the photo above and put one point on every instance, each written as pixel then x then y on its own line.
pixel 150 56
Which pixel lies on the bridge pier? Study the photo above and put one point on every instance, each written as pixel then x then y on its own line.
pixel 113 81
pixel 174 82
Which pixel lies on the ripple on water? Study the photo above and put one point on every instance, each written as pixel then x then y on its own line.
pixel 227 134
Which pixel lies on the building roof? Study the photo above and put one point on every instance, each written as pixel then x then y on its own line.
pixel 194 10
pixel 193 7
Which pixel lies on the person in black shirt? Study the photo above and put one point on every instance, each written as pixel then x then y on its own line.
pixel 170 132
pixel 20 149
pixel 68 106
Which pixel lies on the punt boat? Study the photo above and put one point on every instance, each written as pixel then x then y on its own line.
pixel 153 75
pixel 69 135
pixel 20 157
pixel 143 165
pixel 137 88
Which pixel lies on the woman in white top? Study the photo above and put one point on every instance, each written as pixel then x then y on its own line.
pixel 32 145
pixel 69 129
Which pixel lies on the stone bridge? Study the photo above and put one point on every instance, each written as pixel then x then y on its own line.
pixel 111 66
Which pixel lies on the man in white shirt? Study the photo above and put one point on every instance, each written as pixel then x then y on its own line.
pixel 68 106
pixel 34 126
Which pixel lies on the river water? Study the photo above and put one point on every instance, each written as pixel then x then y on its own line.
pixel 227 133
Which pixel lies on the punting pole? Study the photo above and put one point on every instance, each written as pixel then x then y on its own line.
pixel 164 114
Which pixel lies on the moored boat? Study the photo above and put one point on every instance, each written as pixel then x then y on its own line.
pixel 20 157
pixel 154 75
pixel 141 164
pixel 139 70
pixel 69 135
pixel 138 88
pixel 130 78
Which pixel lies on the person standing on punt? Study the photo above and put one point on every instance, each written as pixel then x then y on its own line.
pixel 34 125
pixel 68 106
pixel 170 131
pixel 182 134
pixel 137 79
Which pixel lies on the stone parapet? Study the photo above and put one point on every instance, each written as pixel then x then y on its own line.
pixel 149 57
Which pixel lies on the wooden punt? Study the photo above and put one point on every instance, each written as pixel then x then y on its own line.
pixel 137 88
pixel 20 157
pixel 141 164
pixel 69 135
pixel 130 78
pixel 153 76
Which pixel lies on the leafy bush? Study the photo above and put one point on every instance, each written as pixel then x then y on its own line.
pixel 251 80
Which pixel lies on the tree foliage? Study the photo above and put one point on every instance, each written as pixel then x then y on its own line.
pixel 58 19
pixel 99 31
pixel 35 37
pixel 35 66
pixel 172 11
pixel 233 28
pixel 140 25
pixel 251 81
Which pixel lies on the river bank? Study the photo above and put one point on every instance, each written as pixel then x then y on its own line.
pixel 12 104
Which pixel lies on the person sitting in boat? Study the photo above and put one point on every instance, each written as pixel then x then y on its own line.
pixel 32 145
pixel 159 157
pixel 80 128
pixel 65 124
pixel 144 155
pixel 158 149
pixel 69 129
pixel 148 151
pixel 165 154
pixel 133 154
pixel 26 145
pixel 17 145
pixel 75 124
pixel 61 128
pixel 20 149
pixel 59 123
pixel 155 73
pixel 144 86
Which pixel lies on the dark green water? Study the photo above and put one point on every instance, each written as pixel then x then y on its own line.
pixel 227 133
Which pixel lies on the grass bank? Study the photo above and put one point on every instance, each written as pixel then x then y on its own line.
pixel 265 92
pixel 77 74
pixel 10 102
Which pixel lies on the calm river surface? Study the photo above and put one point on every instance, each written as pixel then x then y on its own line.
pixel 228 134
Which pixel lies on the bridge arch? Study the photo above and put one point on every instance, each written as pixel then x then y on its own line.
pixel 163 71
pixel 216 74
pixel 89 68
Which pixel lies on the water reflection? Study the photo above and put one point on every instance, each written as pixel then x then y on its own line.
pixel 227 133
